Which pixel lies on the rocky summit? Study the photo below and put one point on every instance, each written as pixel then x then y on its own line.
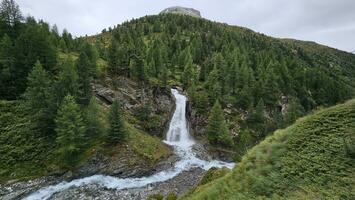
pixel 182 10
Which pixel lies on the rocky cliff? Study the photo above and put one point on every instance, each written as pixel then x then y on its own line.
pixel 182 10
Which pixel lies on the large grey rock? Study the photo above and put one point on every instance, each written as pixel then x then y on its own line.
pixel 133 98
pixel 182 10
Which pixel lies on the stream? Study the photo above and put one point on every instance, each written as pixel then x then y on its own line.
pixel 178 137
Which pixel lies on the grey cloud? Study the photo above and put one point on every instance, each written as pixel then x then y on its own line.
pixel 329 22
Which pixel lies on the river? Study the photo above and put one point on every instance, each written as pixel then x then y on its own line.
pixel 178 137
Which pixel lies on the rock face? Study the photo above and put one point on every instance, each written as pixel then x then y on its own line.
pixel 182 10
pixel 151 107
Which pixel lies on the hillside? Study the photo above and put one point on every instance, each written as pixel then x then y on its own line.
pixel 247 72
pixel 96 110
pixel 312 159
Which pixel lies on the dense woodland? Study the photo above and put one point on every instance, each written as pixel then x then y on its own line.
pixel 49 110
pixel 252 74
pixel 47 102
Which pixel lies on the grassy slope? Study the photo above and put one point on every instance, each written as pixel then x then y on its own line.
pixel 307 160
pixel 23 155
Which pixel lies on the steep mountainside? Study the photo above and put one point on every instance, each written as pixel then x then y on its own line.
pixel 262 83
pixel 73 107
pixel 312 159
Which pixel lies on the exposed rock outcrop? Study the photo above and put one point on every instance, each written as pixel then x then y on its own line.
pixel 182 10
pixel 151 108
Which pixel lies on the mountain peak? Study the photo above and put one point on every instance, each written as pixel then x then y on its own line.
pixel 182 10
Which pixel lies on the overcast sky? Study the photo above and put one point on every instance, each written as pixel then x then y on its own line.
pixel 329 22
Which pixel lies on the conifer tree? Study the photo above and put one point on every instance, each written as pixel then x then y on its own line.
pixel 67 82
pixel 137 68
pixel 117 132
pixel 257 119
pixel 38 98
pixel 184 58
pixel 217 130
pixel 270 88
pixel 164 76
pixel 95 127
pixel 197 49
pixel 10 18
pixel 84 88
pixel 7 85
pixel 32 44
pixel 188 75
pixel 70 130
pixel 112 57
pixel 92 56
pixel 294 111
pixel 213 87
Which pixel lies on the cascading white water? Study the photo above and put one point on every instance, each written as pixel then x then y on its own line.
pixel 177 136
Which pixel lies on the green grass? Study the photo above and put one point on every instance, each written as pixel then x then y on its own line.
pixel 308 160
pixel 149 148
pixel 24 154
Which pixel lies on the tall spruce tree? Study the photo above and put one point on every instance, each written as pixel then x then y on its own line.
pixel 217 130
pixel 70 129
pixel 112 57
pixel 94 124
pixel 10 18
pixel 213 86
pixel 117 132
pixel 7 61
pixel 84 89
pixel 188 75
pixel 38 98
pixel 92 55
pixel 67 82
pixel 32 44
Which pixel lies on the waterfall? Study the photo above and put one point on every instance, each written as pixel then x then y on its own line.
pixel 177 136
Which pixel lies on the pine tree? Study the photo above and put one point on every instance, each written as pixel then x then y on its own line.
pixel 10 18
pixel 70 130
pixel 38 98
pixel 188 75
pixel 164 76
pixel 84 87
pixel 184 58
pixel 95 127
pixel 294 111
pixel 217 130
pixel 257 119
pixel 67 83
pixel 197 49
pixel 213 87
pixel 7 85
pixel 137 69
pixel 92 56
pixel 270 88
pixel 117 132
pixel 32 44
pixel 112 57
pixel 244 98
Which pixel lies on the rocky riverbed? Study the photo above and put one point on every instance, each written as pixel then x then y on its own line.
pixel 189 174
pixel 179 184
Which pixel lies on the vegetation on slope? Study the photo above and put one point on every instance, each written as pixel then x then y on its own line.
pixel 312 159
pixel 250 74
pixel 24 154
pixel 49 118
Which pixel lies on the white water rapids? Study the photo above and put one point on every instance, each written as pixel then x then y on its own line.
pixel 177 136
